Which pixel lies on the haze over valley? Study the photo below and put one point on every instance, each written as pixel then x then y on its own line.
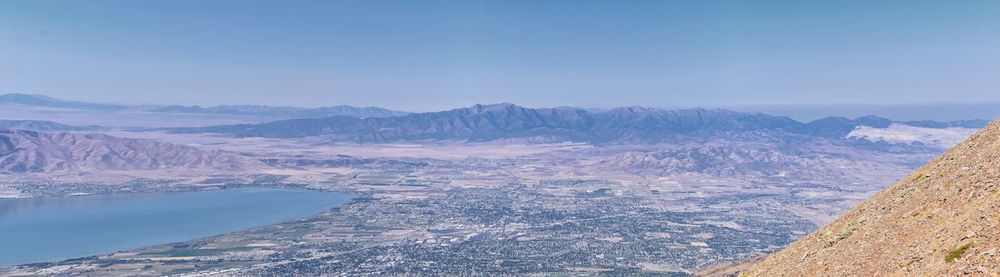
pixel 499 138
pixel 665 191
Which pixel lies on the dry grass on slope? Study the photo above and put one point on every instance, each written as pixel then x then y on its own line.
pixel 944 219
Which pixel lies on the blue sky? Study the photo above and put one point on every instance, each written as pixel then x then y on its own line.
pixel 431 55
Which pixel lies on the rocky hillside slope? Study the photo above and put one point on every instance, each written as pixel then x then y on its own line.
pixel 942 220
pixel 42 126
pixel 29 151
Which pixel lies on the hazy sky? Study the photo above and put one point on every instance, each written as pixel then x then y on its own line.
pixel 430 55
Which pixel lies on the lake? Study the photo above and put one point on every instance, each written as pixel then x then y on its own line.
pixel 52 229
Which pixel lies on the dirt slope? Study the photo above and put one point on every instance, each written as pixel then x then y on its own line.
pixel 942 220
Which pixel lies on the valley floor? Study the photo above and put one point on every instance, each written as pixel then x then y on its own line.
pixel 566 209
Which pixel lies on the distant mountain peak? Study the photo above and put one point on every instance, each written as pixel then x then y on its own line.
pixel 272 112
pixel 41 125
pixel 494 107
pixel 26 96
pixel 45 101
pixel 634 110
pixel 874 121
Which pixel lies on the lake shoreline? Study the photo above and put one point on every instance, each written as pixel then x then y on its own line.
pixel 342 198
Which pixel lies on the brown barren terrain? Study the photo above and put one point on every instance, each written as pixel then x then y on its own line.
pixel 942 220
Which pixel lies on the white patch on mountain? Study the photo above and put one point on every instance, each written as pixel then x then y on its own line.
pixel 902 133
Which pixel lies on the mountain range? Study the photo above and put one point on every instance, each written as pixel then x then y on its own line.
pixel 495 122
pixel 511 122
pixel 45 101
pixel 282 112
pixel 34 152
pixel 34 100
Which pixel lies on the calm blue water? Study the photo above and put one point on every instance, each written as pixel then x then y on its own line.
pixel 51 229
